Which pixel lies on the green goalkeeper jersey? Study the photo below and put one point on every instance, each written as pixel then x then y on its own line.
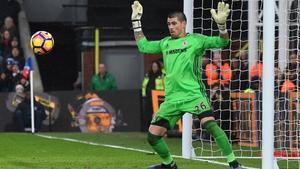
pixel 182 60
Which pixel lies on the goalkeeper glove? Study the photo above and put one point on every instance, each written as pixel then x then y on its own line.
pixel 221 17
pixel 137 11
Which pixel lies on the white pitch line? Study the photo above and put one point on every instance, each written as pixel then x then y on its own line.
pixel 93 143
pixel 128 148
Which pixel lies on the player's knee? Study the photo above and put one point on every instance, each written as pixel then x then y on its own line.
pixel 153 139
pixel 162 123
pixel 213 128
pixel 206 116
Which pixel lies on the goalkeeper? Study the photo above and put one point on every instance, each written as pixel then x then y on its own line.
pixel 184 90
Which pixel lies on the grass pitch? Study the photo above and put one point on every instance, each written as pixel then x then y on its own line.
pixel 28 151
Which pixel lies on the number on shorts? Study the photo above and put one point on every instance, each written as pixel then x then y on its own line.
pixel 201 106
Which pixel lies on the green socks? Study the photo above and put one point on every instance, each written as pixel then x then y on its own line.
pixel 160 147
pixel 220 138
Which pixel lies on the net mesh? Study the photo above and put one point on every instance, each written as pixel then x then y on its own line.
pixel 233 81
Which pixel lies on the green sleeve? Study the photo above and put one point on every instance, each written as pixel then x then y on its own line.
pixel 151 47
pixel 214 42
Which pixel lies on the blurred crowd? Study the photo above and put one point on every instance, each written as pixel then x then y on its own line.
pixel 222 77
pixel 12 60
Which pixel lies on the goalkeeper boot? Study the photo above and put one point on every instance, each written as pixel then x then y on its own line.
pixel 163 166
pixel 235 165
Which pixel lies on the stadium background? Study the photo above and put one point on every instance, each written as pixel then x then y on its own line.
pixel 72 24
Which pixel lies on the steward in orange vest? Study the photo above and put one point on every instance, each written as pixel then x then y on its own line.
pixel 220 75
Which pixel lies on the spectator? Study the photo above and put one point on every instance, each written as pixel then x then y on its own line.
pixel 256 75
pixel 9 25
pixel 8 64
pixel 23 114
pixel 16 74
pixel 226 75
pixel 293 60
pixel 288 85
pixel 218 73
pixel 103 80
pixel 14 43
pixel 153 80
pixel 7 52
pixel 291 74
pixel 5 43
pixel 16 55
pixel 8 74
pixel 256 70
pixel 25 83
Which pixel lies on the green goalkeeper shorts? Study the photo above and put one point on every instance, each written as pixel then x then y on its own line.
pixel 172 112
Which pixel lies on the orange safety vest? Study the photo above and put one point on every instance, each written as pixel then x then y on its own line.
pixel 287 86
pixel 226 74
pixel 213 76
pixel 256 70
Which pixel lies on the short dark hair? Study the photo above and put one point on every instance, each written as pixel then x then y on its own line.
pixel 180 15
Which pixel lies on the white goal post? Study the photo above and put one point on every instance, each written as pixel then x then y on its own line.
pixel 268 85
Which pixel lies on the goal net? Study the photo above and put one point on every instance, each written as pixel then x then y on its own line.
pixel 233 78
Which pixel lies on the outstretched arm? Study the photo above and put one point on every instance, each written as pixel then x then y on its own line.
pixel 143 44
pixel 220 18
pixel 137 12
